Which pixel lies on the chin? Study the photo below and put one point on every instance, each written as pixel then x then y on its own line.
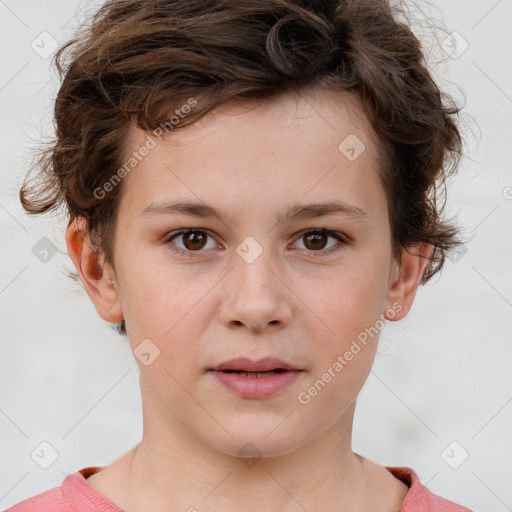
pixel 250 441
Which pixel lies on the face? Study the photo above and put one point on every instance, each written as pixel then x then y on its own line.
pixel 269 277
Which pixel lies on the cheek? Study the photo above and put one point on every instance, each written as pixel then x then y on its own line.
pixel 349 308
pixel 158 289
pixel 346 350
pixel 169 307
pixel 353 298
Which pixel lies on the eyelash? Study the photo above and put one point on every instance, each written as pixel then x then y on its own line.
pixel 334 234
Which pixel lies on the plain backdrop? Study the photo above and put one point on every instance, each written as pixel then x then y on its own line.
pixel 439 396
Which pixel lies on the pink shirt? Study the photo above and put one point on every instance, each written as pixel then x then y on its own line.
pixel 76 495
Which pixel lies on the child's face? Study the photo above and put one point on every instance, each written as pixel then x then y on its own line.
pixel 300 300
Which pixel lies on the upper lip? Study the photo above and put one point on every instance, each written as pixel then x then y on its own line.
pixel 260 365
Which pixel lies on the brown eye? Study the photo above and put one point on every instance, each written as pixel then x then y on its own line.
pixel 194 240
pixel 315 241
pixel 188 241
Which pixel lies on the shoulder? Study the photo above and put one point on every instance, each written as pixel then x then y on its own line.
pixel 52 499
pixel 421 499
pixel 74 495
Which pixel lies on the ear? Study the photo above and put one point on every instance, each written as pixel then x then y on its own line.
pixel 405 279
pixel 98 278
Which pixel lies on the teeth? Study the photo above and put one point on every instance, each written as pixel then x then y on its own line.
pixel 255 374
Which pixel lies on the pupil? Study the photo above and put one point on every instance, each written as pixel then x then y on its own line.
pixel 193 238
pixel 314 238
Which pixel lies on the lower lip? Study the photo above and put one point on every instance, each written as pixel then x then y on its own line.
pixel 257 387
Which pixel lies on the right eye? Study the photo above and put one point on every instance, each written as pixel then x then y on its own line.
pixel 193 240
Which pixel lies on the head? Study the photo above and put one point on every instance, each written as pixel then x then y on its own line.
pixel 253 110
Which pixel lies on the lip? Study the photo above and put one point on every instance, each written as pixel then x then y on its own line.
pixel 261 365
pixel 256 387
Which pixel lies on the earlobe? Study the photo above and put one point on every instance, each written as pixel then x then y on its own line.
pixel 406 277
pixel 97 277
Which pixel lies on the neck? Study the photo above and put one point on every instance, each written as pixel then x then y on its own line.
pixel 171 468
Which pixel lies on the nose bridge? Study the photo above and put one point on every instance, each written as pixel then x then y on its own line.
pixel 254 264
pixel 255 296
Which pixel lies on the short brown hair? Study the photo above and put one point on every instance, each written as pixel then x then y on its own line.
pixel 138 60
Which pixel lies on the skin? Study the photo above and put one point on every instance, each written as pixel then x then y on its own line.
pixel 252 162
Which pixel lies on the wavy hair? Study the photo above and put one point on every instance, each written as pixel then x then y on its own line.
pixel 135 61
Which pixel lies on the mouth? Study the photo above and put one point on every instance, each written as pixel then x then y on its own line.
pixel 256 375
pixel 255 379
pixel 265 365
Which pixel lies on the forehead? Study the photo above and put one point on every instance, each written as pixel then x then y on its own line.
pixel 256 155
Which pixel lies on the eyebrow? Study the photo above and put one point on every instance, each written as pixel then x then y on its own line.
pixel 307 211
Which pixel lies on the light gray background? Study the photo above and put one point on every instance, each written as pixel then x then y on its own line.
pixel 443 374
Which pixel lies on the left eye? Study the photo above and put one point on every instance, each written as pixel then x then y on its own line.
pixel 315 239
pixel 194 240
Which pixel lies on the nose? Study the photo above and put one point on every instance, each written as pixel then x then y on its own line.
pixel 255 297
